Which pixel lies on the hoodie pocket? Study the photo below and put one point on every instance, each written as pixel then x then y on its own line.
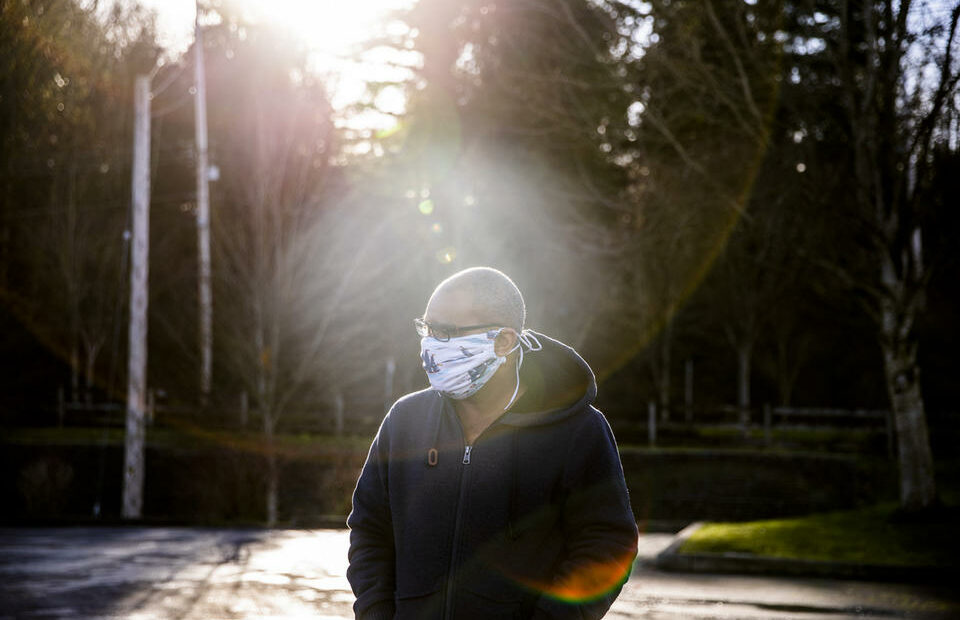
pixel 418 604
pixel 485 599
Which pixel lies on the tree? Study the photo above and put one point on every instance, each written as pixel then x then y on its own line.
pixel 510 134
pixel 707 90
pixel 884 73
pixel 899 69
pixel 301 267
pixel 67 75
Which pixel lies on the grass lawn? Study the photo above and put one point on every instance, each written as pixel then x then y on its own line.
pixel 874 535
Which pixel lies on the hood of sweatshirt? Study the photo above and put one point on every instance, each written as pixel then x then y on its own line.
pixel 558 383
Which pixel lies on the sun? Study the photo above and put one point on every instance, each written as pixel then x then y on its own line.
pixel 331 30
pixel 329 27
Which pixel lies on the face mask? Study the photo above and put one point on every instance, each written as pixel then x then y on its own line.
pixel 460 366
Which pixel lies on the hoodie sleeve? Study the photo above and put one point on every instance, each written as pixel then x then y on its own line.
pixel 371 571
pixel 599 526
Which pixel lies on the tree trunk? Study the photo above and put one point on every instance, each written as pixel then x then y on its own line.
pixel 902 374
pixel 663 385
pixel 659 364
pixel 744 353
pixel 74 363
pixel 785 382
pixel 893 141
pixel 272 474
pixel 5 247
pixel 338 413
pixel 791 352
pixel 267 413
pixel 93 351
pixel 917 484
pixel 267 407
pixel 72 289
pixel 391 370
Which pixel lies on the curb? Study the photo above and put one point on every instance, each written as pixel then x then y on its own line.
pixel 672 560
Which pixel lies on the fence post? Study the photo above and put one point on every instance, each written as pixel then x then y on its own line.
pixel 767 423
pixel 338 412
pixel 652 423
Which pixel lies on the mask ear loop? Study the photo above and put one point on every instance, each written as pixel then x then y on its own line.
pixel 526 338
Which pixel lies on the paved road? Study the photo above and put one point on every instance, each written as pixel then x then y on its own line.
pixel 195 573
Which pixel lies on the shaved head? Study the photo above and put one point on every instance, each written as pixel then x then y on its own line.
pixel 491 294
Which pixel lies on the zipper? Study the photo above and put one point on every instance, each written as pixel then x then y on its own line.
pixel 448 602
pixel 462 489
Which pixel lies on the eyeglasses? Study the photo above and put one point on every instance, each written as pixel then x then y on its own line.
pixel 443 332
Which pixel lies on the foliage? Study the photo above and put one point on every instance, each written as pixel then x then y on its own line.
pixel 64 74
pixel 636 167
pixel 867 536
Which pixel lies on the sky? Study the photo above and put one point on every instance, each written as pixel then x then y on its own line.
pixel 329 28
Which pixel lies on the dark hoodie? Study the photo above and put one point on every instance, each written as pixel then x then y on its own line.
pixel 533 522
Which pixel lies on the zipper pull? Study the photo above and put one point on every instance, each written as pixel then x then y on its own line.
pixel 466 455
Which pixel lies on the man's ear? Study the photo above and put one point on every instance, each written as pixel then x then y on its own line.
pixel 506 340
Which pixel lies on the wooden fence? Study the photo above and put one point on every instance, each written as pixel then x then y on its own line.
pixel 336 418
pixel 772 419
pixel 364 417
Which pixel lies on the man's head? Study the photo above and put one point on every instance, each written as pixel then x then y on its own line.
pixel 477 296
pixel 464 312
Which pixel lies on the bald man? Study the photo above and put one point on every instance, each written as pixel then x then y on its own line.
pixel 498 492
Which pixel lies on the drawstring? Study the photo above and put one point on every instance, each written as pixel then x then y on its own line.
pixel 526 338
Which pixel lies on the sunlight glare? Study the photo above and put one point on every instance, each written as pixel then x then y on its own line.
pixel 329 26
pixel 331 30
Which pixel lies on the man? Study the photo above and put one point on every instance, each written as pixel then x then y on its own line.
pixel 498 492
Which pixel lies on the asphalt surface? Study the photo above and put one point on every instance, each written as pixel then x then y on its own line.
pixel 196 573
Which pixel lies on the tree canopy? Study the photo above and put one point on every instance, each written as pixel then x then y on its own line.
pixel 764 189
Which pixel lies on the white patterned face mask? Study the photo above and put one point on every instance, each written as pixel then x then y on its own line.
pixel 459 367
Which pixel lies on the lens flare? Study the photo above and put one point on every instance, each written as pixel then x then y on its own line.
pixel 447 255
pixel 588 582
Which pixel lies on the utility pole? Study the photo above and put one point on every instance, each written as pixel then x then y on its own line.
pixel 205 295
pixel 133 453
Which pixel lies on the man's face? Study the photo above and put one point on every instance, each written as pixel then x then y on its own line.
pixel 456 308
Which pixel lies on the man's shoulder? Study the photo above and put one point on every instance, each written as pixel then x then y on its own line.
pixel 414 403
pixel 591 421
pixel 410 414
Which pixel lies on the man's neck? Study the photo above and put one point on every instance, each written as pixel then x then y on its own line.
pixel 483 408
